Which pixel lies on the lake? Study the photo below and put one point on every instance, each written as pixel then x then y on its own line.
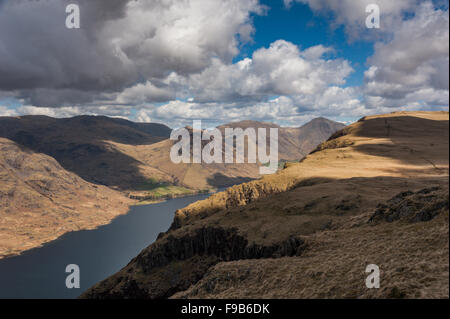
pixel 99 253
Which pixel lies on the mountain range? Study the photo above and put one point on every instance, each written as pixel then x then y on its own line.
pixel 135 156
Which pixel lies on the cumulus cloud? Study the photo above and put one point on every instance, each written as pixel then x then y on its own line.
pixel 145 93
pixel 334 102
pixel 412 68
pixel 305 82
pixel 37 51
pixel 303 79
pixel 281 69
pixel 53 112
pixel 5 111
pixel 120 44
pixel 352 13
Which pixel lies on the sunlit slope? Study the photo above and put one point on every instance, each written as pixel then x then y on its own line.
pixel 403 145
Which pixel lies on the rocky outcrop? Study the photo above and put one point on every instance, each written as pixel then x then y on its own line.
pixel 197 251
pixel 238 195
pixel 420 206
pixel 225 244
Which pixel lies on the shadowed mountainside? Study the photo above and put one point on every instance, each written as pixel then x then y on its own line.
pixel 376 192
pixel 40 200
pixel 84 145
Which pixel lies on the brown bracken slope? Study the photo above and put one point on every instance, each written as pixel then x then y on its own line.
pixel 374 193
pixel 40 201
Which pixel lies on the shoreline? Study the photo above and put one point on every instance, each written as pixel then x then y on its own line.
pixel 104 222
pixel 150 199
pixel 39 244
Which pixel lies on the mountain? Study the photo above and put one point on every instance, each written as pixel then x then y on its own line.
pixel 40 201
pixel 294 143
pixel 134 157
pixel 375 193
pixel 84 145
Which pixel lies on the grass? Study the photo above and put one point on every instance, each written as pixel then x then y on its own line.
pixel 148 202
pixel 171 190
pixel 154 191
pixel 150 184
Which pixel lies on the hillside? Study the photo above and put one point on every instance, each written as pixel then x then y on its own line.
pixel 84 145
pixel 295 142
pixel 40 201
pixel 134 157
pixel 375 192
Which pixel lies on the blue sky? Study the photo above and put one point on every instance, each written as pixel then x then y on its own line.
pixel 299 25
pixel 180 61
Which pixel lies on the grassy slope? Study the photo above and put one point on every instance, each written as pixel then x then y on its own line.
pixel 154 191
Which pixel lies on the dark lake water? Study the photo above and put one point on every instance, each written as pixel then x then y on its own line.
pixel 40 272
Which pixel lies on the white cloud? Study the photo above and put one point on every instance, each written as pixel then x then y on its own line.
pixel 144 93
pixel 52 112
pixel 5 111
pixel 121 43
pixel 70 111
pixel 412 68
pixel 281 69
pixel 163 36
pixel 334 102
pixel 143 117
pixel 352 13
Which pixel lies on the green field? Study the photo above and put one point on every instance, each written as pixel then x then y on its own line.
pixel 154 191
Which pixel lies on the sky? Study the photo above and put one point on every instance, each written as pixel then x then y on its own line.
pixel 175 61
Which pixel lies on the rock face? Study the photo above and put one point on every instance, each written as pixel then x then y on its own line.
pixel 420 206
pixel 207 246
pixel 310 230
pixel 40 200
